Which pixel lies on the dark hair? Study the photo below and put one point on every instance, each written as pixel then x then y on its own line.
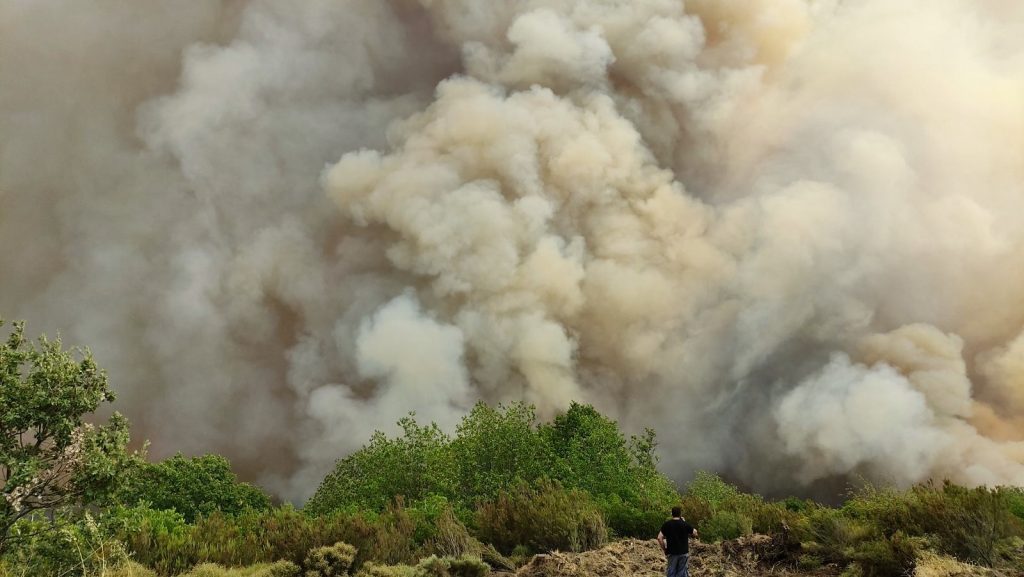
pixel 677 511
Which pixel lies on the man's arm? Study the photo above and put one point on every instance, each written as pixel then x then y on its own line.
pixel 661 541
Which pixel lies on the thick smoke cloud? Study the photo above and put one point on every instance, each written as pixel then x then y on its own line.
pixel 786 234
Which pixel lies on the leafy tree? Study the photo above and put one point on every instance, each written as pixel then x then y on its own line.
pixel 414 465
pixel 496 447
pixel 194 487
pixel 49 456
pixel 591 453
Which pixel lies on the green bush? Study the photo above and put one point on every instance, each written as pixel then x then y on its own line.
pixel 725 525
pixel 711 489
pixel 543 517
pixel 809 562
pixel 796 504
pixel 161 539
pixel 591 453
pixel 968 523
pixel 69 546
pixel 835 537
pixel 765 518
pixel 331 561
pixel 379 570
pixel 889 509
pixel 695 510
pixel 278 569
pixel 1015 500
pixel 194 487
pixel 467 566
pixel 634 519
pixel 884 556
pixel 494 449
pixel 829 535
pixel 417 464
pixel 450 538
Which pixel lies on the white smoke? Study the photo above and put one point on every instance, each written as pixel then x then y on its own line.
pixel 783 233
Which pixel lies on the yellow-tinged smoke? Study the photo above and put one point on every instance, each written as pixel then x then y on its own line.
pixel 787 234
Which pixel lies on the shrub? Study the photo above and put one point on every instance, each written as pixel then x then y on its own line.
pixel 829 535
pixel 332 561
pixel 68 546
pixel 1015 501
pixel 147 533
pixel 711 489
pixel 497 447
pixel 888 509
pixel 194 487
pixel 765 518
pixel 392 540
pixel 161 539
pixel 884 556
pixel 432 566
pixel 591 453
pixel 695 510
pixel 968 523
pixel 413 466
pixel 378 570
pixel 796 504
pixel 725 525
pixel 493 450
pixel 278 569
pixel 809 562
pixel 543 517
pixel 451 538
pixel 467 566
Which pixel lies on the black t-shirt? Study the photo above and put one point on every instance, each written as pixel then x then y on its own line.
pixel 677 532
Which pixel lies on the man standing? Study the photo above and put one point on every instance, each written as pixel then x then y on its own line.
pixel 676 532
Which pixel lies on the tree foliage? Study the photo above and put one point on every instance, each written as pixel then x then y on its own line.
pixel 50 457
pixel 495 449
pixel 194 487
pixel 414 465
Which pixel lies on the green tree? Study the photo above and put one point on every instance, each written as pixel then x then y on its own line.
pixel 592 453
pixel 50 457
pixel 414 465
pixel 194 487
pixel 711 489
pixel 496 447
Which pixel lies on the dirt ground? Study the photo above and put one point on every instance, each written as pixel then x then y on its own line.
pixel 634 558
pixel 756 555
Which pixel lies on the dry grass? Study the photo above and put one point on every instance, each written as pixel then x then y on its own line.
pixel 742 557
pixel 933 565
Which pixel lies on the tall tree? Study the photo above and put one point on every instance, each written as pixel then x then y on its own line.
pixel 50 457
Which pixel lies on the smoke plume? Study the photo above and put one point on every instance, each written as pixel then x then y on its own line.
pixel 787 234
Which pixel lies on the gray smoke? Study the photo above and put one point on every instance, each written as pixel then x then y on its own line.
pixel 786 234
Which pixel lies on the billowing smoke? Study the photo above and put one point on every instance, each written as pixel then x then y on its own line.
pixel 788 234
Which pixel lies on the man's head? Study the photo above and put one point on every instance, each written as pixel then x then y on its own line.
pixel 677 511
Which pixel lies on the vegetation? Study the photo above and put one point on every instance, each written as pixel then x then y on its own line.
pixel 193 487
pixel 541 517
pixel 421 504
pixel 496 450
pixel 50 458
